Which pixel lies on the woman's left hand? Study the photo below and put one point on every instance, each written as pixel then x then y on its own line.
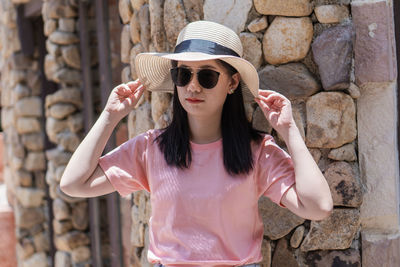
pixel 277 109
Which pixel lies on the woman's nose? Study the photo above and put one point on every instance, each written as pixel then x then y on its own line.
pixel 194 85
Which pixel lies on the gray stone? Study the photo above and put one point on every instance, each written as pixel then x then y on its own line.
pixel 380 249
pixel 71 56
pixel 289 8
pixel 69 141
pixel 260 122
pixel 332 52
pixel 331 13
pixel 287 39
pixel 126 74
pixel 174 20
pixel 266 253
pixel 156 24
pixel 61 227
pixel 193 10
pixel 232 14
pixel 346 152
pixel 50 25
pixel 66 197
pixel 138 48
pixel 68 76
pixel 54 126
pixel 330 120
pixel 252 50
pixel 283 256
pixel 66 25
pixel 345 187
pixel 145 30
pixel 28 106
pixel 80 254
pixel 143 120
pixel 62 259
pixel 58 156
pixel 375 42
pixel 35 161
pixel 75 122
pixel 23 178
pixel 63 38
pixel 160 102
pixel 25 248
pixel 348 257
pixel 354 91
pixel 335 232
pixel 278 221
pixel 52 65
pixel 37 260
pixel 297 237
pixel 137 4
pixel 125 10
pixel 300 85
pixel 41 241
pixel 33 142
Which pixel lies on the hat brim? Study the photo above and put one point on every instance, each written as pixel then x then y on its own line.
pixel 153 70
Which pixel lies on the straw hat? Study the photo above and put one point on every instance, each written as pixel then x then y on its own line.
pixel 199 40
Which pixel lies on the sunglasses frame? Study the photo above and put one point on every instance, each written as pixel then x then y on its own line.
pixel 192 74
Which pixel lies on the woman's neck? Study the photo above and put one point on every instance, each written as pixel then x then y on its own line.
pixel 204 130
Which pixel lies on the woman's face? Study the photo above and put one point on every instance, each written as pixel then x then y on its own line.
pixel 200 101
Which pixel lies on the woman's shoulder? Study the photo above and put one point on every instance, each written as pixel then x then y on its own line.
pixel 145 138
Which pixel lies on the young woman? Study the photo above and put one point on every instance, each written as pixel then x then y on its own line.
pixel 206 171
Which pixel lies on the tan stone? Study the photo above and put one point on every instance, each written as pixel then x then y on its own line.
pixel 145 31
pixel 61 210
pixel 252 51
pixel 330 120
pixel 125 10
pixel 28 217
pixel 174 20
pixel 137 4
pixel 278 221
pixel 25 248
pixel 258 24
pixel 266 253
pixel 50 25
pixel 54 126
pixel 287 39
pixel 144 121
pixel 160 102
pixel 41 241
pixel 28 125
pixel 126 44
pixel 297 237
pixel 335 232
pixel 134 27
pixel 231 14
pixel 29 197
pixel 58 156
pixel 193 9
pixel 35 161
pixel 380 249
pixel 37 260
pixel 69 141
pixel 290 8
pixel 69 76
pixel 321 258
pixel 29 106
pixel 52 65
pixel 316 154
pixel 63 38
pixel 75 122
pixel 23 178
pixel 354 91
pixel 66 25
pixel 65 95
pixel 156 24
pixel 71 56
pixel 331 13
pixel 80 218
pixel 283 256
pixel 60 111
pixel 346 152
pixel 71 240
pixel 138 48
pixel 61 227
pixel 59 172
pixel 60 9
pixel 80 254
pixel 126 74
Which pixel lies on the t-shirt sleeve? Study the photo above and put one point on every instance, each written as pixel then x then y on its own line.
pixel 274 171
pixel 125 166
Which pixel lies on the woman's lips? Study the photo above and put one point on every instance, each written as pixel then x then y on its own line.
pixel 194 100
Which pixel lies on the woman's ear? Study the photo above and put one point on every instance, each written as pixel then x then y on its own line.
pixel 235 81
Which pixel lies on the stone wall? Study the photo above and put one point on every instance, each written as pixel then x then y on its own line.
pixel 313 43
pixel 24 157
pixel 65 128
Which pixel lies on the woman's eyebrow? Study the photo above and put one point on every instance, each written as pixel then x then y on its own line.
pixel 201 67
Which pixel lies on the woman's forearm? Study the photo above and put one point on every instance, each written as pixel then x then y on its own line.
pixel 311 186
pixel 86 157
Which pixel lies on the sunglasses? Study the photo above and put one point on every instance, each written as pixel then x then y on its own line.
pixel 207 78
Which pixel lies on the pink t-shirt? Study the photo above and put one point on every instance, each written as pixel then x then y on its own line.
pixel 201 216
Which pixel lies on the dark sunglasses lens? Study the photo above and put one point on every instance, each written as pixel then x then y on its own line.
pixel 181 76
pixel 208 78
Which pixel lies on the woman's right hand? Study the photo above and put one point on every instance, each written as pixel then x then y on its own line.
pixel 123 99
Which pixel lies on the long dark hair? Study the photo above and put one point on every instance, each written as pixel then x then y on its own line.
pixel 237 133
